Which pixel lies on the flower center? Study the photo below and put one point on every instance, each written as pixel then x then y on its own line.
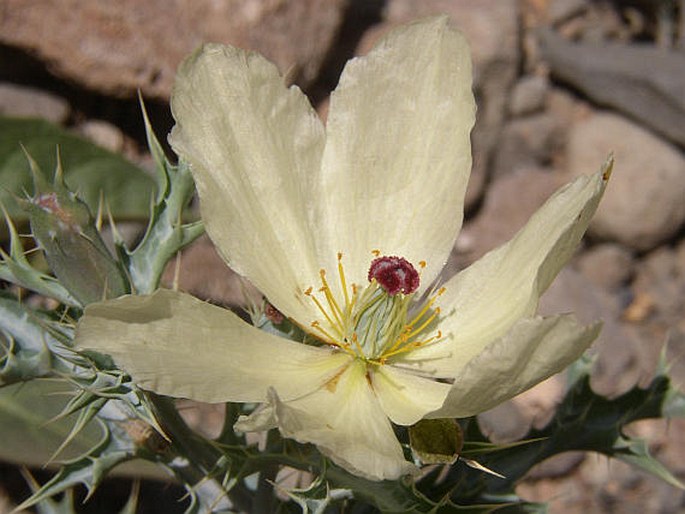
pixel 381 320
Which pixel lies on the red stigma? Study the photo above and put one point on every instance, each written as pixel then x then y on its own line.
pixel 394 275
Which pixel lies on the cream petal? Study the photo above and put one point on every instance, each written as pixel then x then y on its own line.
pixel 406 398
pixel 398 154
pixel 482 302
pixel 255 148
pixel 344 420
pixel 177 345
pixel 533 350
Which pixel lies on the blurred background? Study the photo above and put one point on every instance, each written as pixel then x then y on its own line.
pixel 559 84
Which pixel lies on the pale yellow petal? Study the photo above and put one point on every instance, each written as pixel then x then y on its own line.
pixel 176 345
pixel 344 420
pixel 482 302
pixel 255 148
pixel 533 350
pixel 406 398
pixel 398 154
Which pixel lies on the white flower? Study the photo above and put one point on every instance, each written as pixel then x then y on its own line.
pixel 303 211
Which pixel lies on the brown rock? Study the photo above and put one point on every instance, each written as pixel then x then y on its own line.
pixel 511 200
pixel 120 47
pixel 491 28
pixel 528 142
pixel 529 95
pixel 643 205
pixel 622 356
pixel 103 134
pixel 204 274
pixel 609 266
pixel 660 278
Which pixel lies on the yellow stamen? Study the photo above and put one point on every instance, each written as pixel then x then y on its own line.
pixel 329 339
pixel 343 283
pixel 414 345
pixel 428 321
pixel 318 304
pixel 425 308
pixel 326 289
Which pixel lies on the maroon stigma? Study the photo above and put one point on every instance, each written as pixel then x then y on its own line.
pixel 394 275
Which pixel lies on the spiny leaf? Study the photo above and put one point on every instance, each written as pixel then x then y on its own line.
pixel 16 269
pixel 89 168
pixel 166 233
pixel 66 231
pixel 88 470
pixel 157 153
pixel 26 435
pixel 29 346
pixel 584 421
pixel 636 452
pixel 316 498
pixel 48 505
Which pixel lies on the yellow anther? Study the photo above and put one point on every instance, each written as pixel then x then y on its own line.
pixel 376 253
pixel 422 264
pixel 308 291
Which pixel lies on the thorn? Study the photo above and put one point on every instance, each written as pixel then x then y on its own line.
pixel 58 179
pixel 177 271
pixel 39 182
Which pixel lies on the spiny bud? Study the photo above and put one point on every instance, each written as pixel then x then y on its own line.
pixel 64 228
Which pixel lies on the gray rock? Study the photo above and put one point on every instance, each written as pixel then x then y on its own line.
pixel 620 351
pixel 558 466
pixel 643 81
pixel 510 201
pixel 28 102
pixel 660 278
pixel 610 266
pixel 561 10
pixel 528 142
pixel 529 95
pixel 204 274
pixel 120 47
pixel 644 204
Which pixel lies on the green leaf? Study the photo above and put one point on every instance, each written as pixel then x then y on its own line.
pixel 166 232
pixel 584 421
pixel 66 231
pixel 30 343
pixel 27 436
pixel 16 269
pixel 90 170
pixel 316 498
pixel 48 505
pixel 90 469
